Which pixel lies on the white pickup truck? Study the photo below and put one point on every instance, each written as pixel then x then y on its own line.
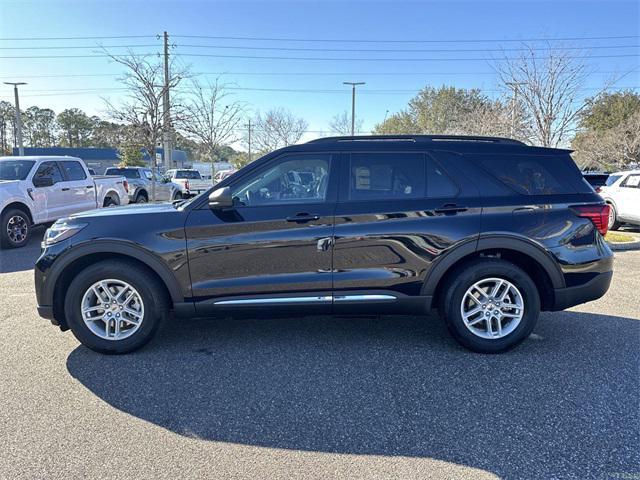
pixel 35 190
pixel 189 180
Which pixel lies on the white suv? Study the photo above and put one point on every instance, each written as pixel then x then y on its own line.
pixel 622 193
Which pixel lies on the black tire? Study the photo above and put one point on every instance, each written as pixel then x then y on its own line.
pixel 614 224
pixel 148 286
pixel 177 196
pixel 141 198
pixel 109 202
pixel 16 228
pixel 463 278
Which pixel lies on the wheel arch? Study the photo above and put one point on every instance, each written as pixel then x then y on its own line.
pixel 65 269
pixel 524 253
pixel 112 194
pixel 20 206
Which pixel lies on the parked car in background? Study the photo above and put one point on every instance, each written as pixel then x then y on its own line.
pixel 189 180
pixel 221 175
pixel 489 231
pixel 622 193
pixel 140 184
pixel 596 179
pixel 35 190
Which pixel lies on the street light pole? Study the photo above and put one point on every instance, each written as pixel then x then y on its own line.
pixel 353 104
pixel 514 104
pixel 18 116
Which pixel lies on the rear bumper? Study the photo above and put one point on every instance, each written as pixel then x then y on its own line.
pixel 592 290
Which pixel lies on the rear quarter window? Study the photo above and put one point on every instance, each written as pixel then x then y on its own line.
pixel 536 175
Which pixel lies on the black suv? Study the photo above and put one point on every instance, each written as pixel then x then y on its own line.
pixel 487 230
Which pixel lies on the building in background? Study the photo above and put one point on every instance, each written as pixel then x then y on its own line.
pixel 99 159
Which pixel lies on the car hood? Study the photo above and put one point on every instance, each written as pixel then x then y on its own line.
pixel 145 209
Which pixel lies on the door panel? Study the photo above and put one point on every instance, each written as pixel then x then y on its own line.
pixel 81 193
pixel 265 247
pixel 51 201
pixel 390 243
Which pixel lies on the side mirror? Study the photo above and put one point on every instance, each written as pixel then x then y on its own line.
pixel 220 198
pixel 39 182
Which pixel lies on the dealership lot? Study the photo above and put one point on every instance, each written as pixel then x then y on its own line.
pixel 387 397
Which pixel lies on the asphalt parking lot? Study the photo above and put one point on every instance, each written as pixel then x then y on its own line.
pixel 377 397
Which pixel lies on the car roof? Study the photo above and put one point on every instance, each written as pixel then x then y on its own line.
pixel 41 157
pixel 626 172
pixel 456 143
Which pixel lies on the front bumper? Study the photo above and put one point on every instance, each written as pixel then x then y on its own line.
pixel 591 290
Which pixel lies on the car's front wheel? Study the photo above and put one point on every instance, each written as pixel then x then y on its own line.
pixel 115 306
pixel 15 228
pixel 490 305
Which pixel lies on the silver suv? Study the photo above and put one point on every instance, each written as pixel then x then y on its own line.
pixel 140 181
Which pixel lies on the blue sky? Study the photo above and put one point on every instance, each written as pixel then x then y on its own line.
pixel 418 24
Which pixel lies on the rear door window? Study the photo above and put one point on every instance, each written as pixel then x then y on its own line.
pixel 534 175
pixel 74 171
pixel 632 181
pixel 439 185
pixel 386 176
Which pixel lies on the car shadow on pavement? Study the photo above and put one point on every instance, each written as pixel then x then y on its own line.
pixel 24 258
pixel 563 404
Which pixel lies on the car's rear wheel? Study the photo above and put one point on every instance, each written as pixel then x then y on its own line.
pixel 141 198
pixel 613 218
pixel 115 306
pixel 490 305
pixel 177 196
pixel 15 228
pixel 110 202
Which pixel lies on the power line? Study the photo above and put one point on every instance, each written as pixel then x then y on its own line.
pixel 315 49
pixel 346 40
pixel 58 92
pixel 351 59
pixel 111 37
pixel 284 74
pixel 80 47
pixel 95 55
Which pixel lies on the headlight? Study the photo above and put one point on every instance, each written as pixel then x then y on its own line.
pixel 61 231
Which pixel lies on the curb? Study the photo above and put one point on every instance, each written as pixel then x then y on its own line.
pixel 623 246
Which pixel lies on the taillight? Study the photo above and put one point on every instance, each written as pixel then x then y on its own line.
pixel 186 184
pixel 598 214
pixel 125 184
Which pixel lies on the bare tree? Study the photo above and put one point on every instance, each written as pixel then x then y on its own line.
pixel 210 117
pixel 548 83
pixel 614 148
pixel 490 119
pixel 142 106
pixel 340 124
pixel 276 129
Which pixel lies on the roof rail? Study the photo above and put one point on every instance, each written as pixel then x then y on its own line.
pixel 419 138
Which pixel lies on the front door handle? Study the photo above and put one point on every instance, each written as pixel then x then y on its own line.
pixel 449 208
pixel 65 189
pixel 89 186
pixel 303 217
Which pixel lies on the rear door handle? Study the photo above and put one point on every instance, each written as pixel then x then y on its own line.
pixel 450 208
pixel 65 189
pixel 91 186
pixel 303 217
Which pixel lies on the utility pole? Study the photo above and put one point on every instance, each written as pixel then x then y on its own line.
pixel 353 104
pixel 514 104
pixel 18 116
pixel 166 134
pixel 248 125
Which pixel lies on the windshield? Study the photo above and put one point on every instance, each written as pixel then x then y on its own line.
pixel 15 169
pixel 125 172
pixel 612 179
pixel 188 174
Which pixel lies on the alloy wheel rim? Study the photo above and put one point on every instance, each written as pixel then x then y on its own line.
pixel 612 217
pixel 112 309
pixel 17 228
pixel 492 308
